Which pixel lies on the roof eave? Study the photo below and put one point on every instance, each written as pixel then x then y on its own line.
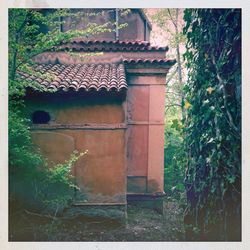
pixel 144 16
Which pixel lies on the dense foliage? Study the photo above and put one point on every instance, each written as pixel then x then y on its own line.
pixel 213 124
pixel 174 159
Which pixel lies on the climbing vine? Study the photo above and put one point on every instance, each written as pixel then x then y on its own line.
pixel 213 124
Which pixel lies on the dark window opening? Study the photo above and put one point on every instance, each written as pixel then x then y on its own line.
pixel 40 117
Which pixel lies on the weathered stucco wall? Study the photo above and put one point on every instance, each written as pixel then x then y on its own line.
pixel 146 100
pixel 137 150
pixel 94 17
pixel 135 27
pixel 78 110
pixel 103 168
pixel 101 173
pixel 55 146
pixel 133 31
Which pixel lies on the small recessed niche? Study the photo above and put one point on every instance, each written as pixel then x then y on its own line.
pixel 40 117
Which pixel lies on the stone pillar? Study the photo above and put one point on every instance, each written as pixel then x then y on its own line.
pixel 146 102
pixel 156 138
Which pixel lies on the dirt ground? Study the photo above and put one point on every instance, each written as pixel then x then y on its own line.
pixel 142 224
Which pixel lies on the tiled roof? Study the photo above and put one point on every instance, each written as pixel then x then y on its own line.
pixel 121 42
pixel 165 61
pixel 79 44
pixel 79 76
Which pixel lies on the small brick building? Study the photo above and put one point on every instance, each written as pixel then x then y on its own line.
pixel 111 104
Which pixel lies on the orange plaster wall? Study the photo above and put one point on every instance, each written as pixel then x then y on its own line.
pixel 102 170
pixel 138 103
pixel 137 150
pixel 156 139
pixel 158 79
pixel 133 31
pixel 78 111
pixel 146 101
pixel 90 114
pixel 156 158
pixel 157 103
pixel 55 146
pixel 101 173
pixel 98 19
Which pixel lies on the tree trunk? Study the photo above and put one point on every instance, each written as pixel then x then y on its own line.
pixel 178 58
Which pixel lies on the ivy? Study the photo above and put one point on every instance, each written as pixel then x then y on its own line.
pixel 213 124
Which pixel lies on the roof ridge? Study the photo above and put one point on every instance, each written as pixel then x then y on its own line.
pixel 119 60
pixel 79 44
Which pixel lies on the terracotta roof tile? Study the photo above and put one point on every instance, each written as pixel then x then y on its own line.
pixel 164 61
pixel 80 44
pixel 79 76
